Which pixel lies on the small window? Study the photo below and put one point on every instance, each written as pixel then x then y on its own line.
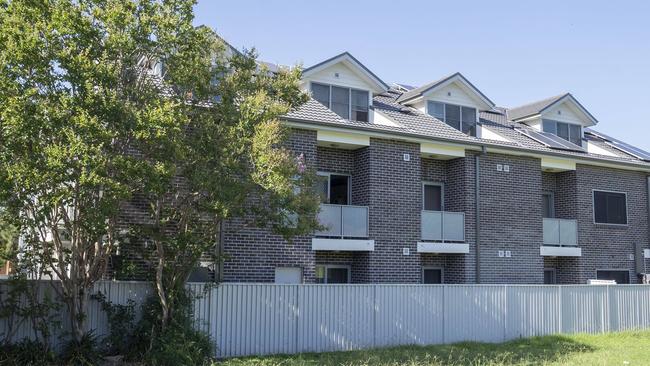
pixel 332 274
pixel 334 189
pixel 359 105
pixel 621 277
pixel 458 117
pixel 346 102
pixel 431 276
pixel 437 110
pixel 548 205
pixel 568 131
pixel 432 197
pixel 321 93
pixel 549 276
pixel 288 275
pixel 610 208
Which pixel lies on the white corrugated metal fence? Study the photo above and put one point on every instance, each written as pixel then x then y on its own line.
pixel 252 319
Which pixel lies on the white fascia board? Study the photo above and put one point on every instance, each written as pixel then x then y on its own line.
pixel 449 248
pixel 576 105
pixel 491 148
pixel 557 165
pixel 441 150
pixel 343 245
pixel 342 139
pixel 548 251
pixel 354 65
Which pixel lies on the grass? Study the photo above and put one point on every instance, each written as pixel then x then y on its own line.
pixel 625 348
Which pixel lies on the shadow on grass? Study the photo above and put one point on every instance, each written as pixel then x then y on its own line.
pixel 529 351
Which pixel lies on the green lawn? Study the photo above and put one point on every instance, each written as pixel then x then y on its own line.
pixel 626 348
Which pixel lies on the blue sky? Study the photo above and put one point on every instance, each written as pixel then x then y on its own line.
pixel 514 51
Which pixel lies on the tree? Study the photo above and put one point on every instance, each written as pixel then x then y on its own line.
pixel 76 104
pixel 84 125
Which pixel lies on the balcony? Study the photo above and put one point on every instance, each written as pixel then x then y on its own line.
pixel 442 232
pixel 560 238
pixel 345 229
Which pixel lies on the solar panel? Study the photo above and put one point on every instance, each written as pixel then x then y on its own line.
pixel 551 140
pixel 621 146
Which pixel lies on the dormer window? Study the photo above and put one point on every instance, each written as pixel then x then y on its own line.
pixel 459 117
pixel 568 131
pixel 348 103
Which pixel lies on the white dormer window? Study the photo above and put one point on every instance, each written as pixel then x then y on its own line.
pixel 459 117
pixel 568 131
pixel 348 103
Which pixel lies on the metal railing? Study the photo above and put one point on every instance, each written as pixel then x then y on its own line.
pixel 560 232
pixel 343 221
pixel 443 226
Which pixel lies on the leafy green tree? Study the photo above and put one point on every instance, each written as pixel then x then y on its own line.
pixel 85 125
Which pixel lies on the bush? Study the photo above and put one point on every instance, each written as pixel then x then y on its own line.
pixel 82 353
pixel 178 344
pixel 26 352
pixel 121 323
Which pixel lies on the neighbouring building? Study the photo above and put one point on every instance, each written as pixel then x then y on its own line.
pixel 437 184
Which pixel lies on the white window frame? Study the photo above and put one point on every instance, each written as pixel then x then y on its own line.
pixel 593 208
pixel 552 194
pixel 442 193
pixel 444 119
pixel 329 178
pixel 442 274
pixel 582 132
pixel 327 266
pixel 350 89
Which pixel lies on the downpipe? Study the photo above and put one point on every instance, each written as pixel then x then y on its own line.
pixel 477 206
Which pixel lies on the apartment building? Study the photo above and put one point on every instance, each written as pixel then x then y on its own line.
pixel 437 184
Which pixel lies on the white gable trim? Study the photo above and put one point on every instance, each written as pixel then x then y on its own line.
pixel 482 102
pixel 575 105
pixel 378 86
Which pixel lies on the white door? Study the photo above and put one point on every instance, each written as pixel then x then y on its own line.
pixel 288 275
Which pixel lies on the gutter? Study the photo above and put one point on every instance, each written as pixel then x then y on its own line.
pixel 477 206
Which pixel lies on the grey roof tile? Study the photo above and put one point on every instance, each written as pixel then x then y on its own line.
pixel 533 108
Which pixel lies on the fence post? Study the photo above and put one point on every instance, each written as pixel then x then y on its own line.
pixel 560 306
pixel 444 314
pixel 297 318
pixel 505 312
pixel 374 315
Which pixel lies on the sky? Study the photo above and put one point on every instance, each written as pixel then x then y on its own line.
pixel 515 52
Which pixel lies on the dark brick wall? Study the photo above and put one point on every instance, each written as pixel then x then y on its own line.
pixel 609 246
pixel 511 218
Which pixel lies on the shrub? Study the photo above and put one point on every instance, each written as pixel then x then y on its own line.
pixel 26 352
pixel 82 353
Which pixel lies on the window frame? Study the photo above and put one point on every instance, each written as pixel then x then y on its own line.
pixel 552 195
pixel 442 275
pixel 442 194
pixel 593 208
pixel 336 266
pixel 350 89
pixel 460 106
pixel 569 124
pixel 629 278
pixel 329 179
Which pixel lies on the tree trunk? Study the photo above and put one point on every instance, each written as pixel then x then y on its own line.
pixel 77 307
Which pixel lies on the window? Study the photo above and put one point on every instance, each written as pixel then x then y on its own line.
pixel 610 208
pixel 614 275
pixel 288 275
pixel 548 205
pixel 346 102
pixel 431 275
pixel 334 188
pixel 332 274
pixel 458 117
pixel 432 197
pixel 567 131
pixel 549 276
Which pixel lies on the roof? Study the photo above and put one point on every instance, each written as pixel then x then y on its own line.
pixel 413 123
pixel 424 89
pixel 346 56
pixel 536 108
